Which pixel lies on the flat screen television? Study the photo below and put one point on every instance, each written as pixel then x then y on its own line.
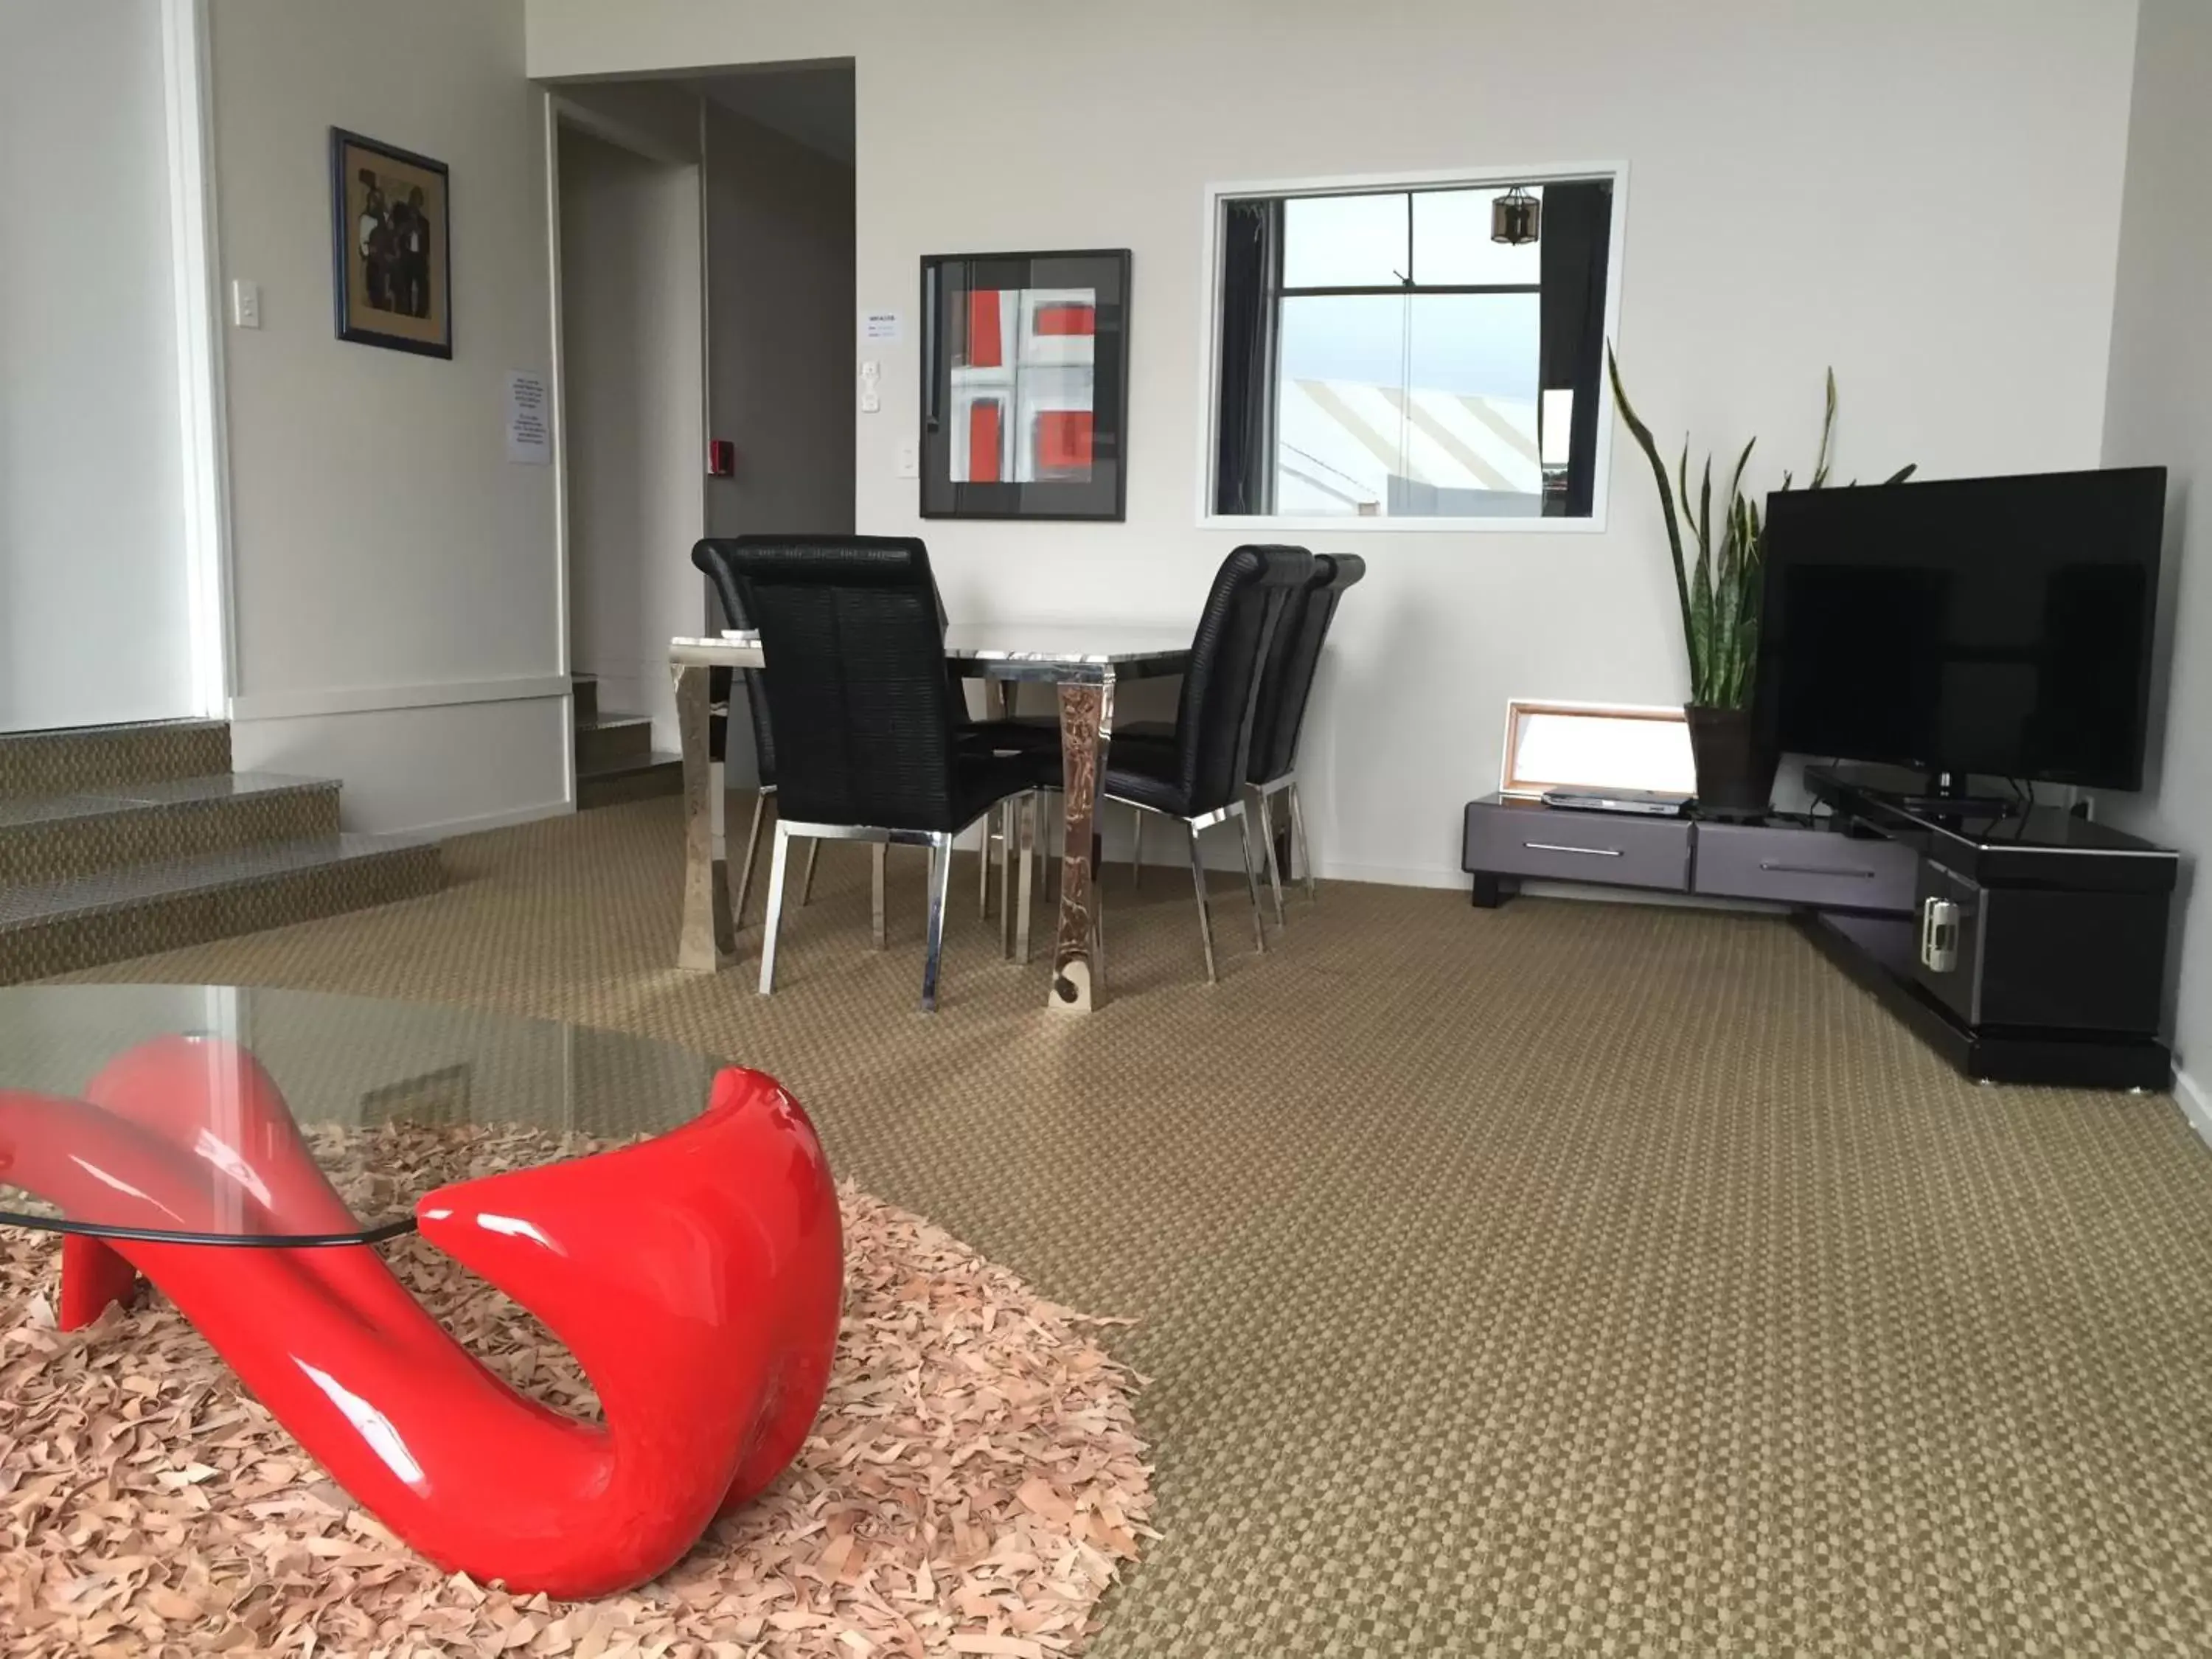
pixel 2000 626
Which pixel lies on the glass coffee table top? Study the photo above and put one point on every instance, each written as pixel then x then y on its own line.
pixel 218 1115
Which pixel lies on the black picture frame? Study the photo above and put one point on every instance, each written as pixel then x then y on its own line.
pixel 398 294
pixel 1086 475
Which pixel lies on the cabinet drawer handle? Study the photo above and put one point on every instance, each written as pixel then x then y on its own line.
pixel 1939 935
pixel 1555 847
pixel 1781 868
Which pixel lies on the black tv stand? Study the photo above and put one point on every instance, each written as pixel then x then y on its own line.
pixel 1962 806
pixel 1956 789
pixel 2035 951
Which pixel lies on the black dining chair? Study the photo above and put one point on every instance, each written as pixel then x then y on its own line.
pixel 867 735
pixel 1195 774
pixel 1286 687
pixel 713 556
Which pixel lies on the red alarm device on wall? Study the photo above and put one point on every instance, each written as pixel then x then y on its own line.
pixel 721 458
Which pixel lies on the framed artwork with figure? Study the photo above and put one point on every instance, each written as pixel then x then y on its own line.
pixel 1024 385
pixel 392 261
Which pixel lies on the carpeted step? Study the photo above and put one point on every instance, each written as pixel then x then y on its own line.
pixel 55 927
pixel 642 778
pixel 49 838
pixel 77 759
pixel 584 690
pixel 610 740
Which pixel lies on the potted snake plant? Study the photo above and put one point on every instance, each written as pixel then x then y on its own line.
pixel 1720 593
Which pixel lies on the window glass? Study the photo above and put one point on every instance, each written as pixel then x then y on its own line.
pixel 1344 241
pixel 1381 356
pixel 1452 245
pixel 1338 426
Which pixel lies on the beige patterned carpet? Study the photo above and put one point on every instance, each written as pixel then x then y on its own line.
pixel 1568 1277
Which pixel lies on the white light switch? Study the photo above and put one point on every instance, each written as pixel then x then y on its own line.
pixel 246 304
pixel 908 464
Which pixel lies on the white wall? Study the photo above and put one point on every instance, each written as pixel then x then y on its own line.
pixel 632 368
pixel 2160 413
pixel 92 501
pixel 395 577
pixel 1926 198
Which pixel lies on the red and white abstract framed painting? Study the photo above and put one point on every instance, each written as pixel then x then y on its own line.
pixel 1025 366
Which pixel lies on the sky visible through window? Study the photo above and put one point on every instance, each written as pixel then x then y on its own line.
pixel 1406 401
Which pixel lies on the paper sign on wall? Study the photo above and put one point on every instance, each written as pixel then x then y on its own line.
pixel 882 325
pixel 529 427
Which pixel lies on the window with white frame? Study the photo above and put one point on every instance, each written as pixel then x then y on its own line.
pixel 1423 352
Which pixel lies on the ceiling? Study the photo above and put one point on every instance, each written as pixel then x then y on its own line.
pixel 813 103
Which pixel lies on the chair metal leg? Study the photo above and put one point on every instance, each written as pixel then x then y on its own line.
pixel 877 856
pixel 752 852
pixel 1298 841
pixel 1268 841
pixel 940 883
pixel 1028 810
pixel 1205 921
pixel 1251 880
pixel 774 917
pixel 1008 810
pixel 806 877
pixel 1136 848
pixel 983 866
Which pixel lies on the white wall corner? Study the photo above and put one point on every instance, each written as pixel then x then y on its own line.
pixel 204 427
pixel 2195 1106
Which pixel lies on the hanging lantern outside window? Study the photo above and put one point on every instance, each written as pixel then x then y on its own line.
pixel 1515 218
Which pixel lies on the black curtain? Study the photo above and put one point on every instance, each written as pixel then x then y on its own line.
pixel 1577 237
pixel 1244 442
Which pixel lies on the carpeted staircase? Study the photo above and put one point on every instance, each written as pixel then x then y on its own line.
pixel 120 840
pixel 616 760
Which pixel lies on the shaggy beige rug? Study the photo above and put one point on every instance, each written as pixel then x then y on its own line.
pixel 971 1486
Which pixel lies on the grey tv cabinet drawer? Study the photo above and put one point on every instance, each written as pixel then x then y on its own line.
pixel 1822 870
pixel 1528 840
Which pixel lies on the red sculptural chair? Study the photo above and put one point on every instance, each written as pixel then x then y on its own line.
pixel 698 1277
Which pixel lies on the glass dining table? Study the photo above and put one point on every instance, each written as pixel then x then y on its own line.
pixel 1085 660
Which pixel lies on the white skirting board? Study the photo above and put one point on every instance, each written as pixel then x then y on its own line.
pixel 504 819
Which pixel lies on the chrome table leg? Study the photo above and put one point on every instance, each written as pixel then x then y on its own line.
pixel 708 940
pixel 1086 725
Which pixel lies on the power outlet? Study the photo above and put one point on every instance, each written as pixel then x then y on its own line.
pixel 907 464
pixel 246 304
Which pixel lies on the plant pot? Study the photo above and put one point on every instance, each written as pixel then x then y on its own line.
pixel 1735 770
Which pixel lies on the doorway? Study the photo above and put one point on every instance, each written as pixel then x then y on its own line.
pixel 705 280
pixel 781 327
pixel 631 376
